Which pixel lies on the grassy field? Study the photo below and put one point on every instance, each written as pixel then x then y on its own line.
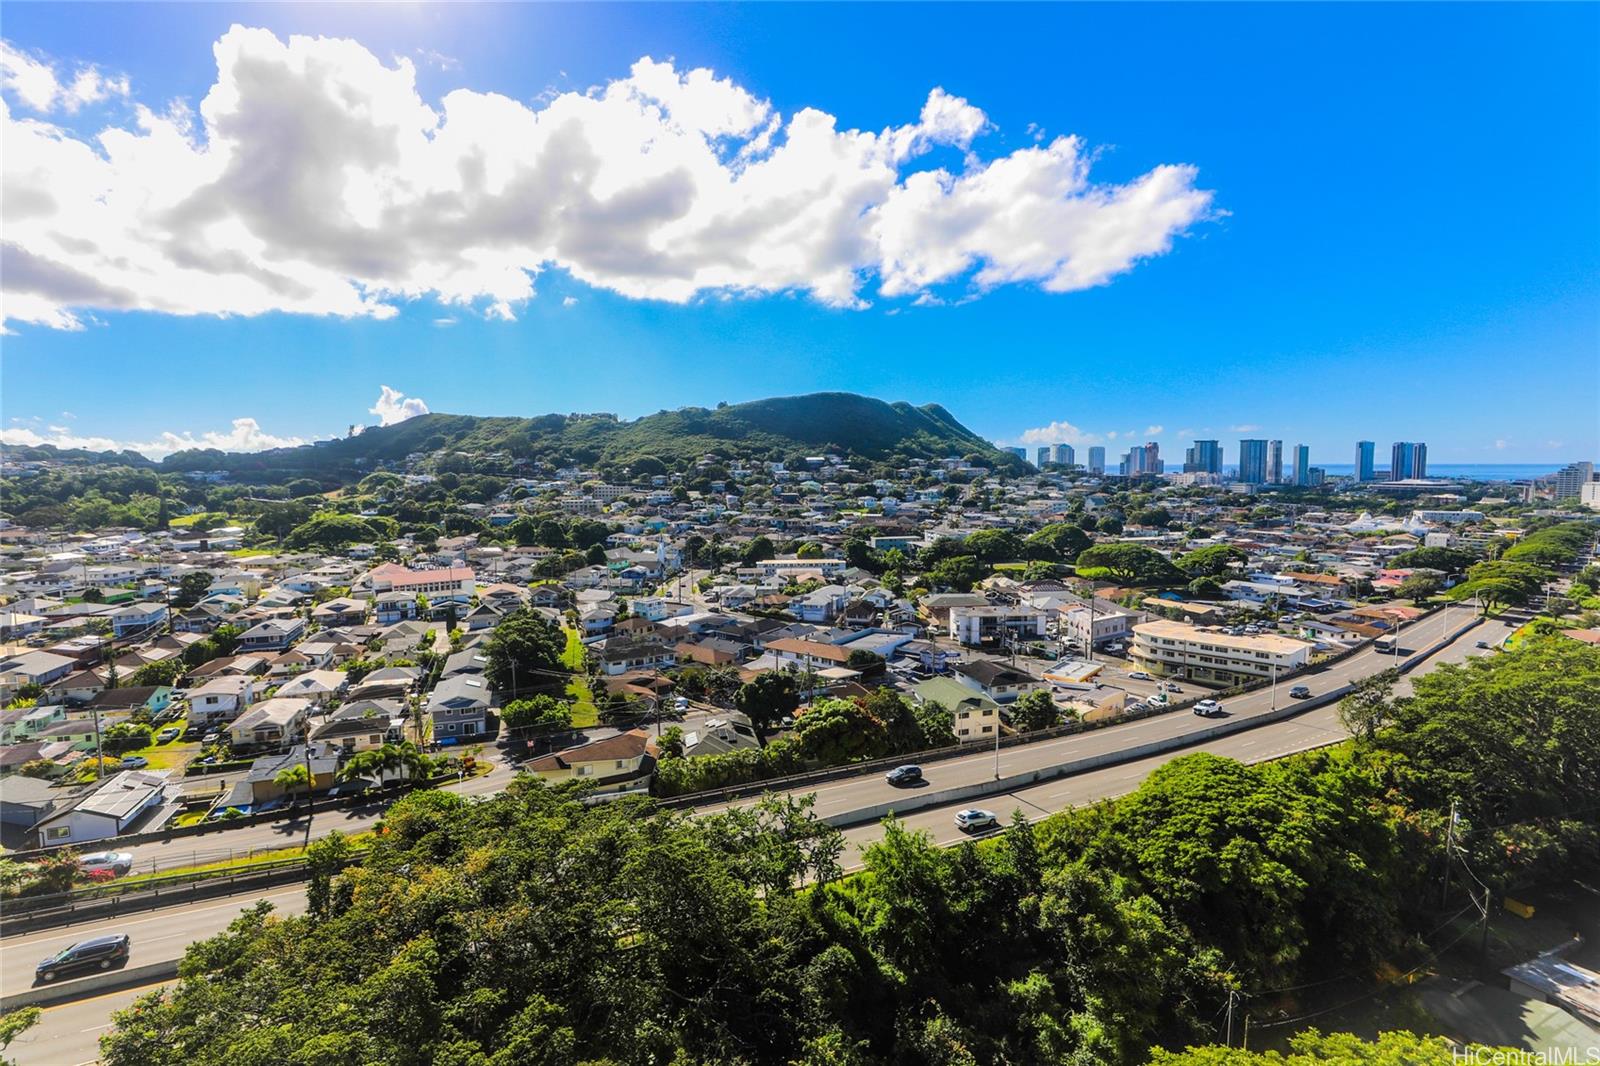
pixel 584 712
pixel 246 553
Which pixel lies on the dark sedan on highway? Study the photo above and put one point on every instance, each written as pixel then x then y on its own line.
pixel 101 953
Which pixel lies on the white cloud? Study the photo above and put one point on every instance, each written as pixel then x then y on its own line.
pixel 1058 433
pixel 34 83
pixel 569 301
pixel 1500 445
pixel 395 406
pixel 1153 431
pixel 245 435
pixel 1246 427
pixel 316 180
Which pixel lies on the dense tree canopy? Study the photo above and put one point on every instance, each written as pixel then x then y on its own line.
pixel 1214 561
pixel 1129 564
pixel 1065 540
pixel 523 652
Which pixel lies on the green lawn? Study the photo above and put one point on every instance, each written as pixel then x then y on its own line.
pixel 242 862
pixel 584 712
pixel 246 553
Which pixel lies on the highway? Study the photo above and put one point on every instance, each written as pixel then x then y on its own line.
pixel 840 797
pixel 1314 729
pixel 69 1033
pixel 158 935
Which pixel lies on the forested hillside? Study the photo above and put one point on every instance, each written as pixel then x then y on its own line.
pixel 781 429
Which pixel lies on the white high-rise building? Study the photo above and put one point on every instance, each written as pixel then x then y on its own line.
pixel 1571 478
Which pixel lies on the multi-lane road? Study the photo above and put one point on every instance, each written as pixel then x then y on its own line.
pixel 163 934
pixel 158 935
pixel 68 1034
pixel 838 798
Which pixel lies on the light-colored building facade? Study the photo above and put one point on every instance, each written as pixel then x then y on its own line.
pixel 1177 649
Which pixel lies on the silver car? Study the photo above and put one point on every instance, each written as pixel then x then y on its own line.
pixel 975 818
pixel 118 862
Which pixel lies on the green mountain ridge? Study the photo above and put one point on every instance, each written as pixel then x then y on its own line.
pixel 778 428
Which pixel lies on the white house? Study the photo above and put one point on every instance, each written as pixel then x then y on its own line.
pixel 270 722
pixel 108 811
pixel 220 699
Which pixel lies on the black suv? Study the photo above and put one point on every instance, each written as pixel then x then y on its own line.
pixel 904 775
pixel 101 953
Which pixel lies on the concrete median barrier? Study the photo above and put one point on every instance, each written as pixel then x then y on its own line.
pixel 96 984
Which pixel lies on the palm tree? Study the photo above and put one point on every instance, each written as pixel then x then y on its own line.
pixel 291 778
pixel 409 760
pixel 362 764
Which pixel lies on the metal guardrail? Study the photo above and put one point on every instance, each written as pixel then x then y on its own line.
pixel 389 790
pixel 179 888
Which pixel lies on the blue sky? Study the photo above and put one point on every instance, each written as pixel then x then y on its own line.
pixel 1388 232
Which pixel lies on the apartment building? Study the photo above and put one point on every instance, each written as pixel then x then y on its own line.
pixel 1213 655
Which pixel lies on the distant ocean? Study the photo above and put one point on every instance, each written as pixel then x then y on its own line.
pixel 1463 471
pixel 1469 471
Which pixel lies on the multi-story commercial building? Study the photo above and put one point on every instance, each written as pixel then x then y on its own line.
pixel 1097 460
pixel 1020 453
pixel 1196 653
pixel 1408 461
pixel 1064 455
pixel 1204 458
pixel 1571 478
pixel 996 624
pixel 1302 464
pixel 1253 462
pixel 1041 456
pixel 1365 451
pixel 1274 462
pixel 1079 626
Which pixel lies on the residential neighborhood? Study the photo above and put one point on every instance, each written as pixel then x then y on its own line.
pixel 950 586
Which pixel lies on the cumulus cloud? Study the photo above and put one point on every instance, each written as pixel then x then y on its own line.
pixel 244 435
pixel 1058 433
pixel 395 406
pixel 314 179
pixel 1153 431
pixel 569 301
pixel 1245 427
pixel 34 82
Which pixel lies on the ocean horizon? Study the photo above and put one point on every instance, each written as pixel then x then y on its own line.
pixel 1458 471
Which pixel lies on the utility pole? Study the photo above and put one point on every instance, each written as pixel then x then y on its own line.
pixel 1483 943
pixel 1233 997
pixel 311 809
pixel 99 755
pixel 1449 846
